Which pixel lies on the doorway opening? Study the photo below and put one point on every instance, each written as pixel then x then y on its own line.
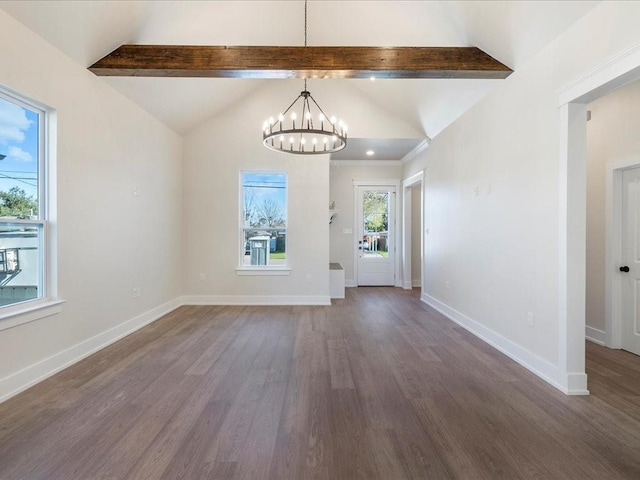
pixel 572 105
pixel 412 231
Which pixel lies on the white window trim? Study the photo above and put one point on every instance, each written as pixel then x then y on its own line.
pixel 261 270
pixel 29 311
pixel 48 304
pixel 257 271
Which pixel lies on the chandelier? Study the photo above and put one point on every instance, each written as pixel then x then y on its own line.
pixel 303 128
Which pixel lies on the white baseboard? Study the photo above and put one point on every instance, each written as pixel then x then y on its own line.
pixel 406 285
pixel 416 283
pixel 595 335
pixel 27 377
pixel 350 283
pixel 256 300
pixel 542 368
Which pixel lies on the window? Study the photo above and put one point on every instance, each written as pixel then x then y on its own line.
pixel 22 200
pixel 263 237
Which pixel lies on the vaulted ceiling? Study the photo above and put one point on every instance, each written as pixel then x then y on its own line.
pixel 510 31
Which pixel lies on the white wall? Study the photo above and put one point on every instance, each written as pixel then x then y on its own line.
pixel 107 241
pixel 342 177
pixel 215 153
pixel 493 257
pixel 612 136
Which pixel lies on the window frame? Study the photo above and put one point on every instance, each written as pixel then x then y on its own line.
pixel 46 303
pixel 243 269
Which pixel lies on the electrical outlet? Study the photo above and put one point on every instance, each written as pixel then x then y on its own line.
pixel 530 318
pixel 137 292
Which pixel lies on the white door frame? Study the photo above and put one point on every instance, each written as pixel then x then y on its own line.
pixel 377 183
pixel 572 101
pixel 407 184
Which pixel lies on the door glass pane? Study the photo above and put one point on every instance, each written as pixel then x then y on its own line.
pixel 375 215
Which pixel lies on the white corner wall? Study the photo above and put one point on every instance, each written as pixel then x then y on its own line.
pixel 492 198
pixel 612 138
pixel 108 241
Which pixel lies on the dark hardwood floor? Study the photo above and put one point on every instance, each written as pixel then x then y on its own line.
pixel 377 386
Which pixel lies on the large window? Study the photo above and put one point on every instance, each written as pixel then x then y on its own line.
pixel 22 197
pixel 263 237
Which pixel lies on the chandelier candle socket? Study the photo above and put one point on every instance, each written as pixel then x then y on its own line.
pixel 314 133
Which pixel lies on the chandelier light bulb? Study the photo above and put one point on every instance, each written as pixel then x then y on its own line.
pixel 293 115
pixel 280 118
pixel 314 141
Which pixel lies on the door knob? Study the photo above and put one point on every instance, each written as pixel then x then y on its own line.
pixel 624 269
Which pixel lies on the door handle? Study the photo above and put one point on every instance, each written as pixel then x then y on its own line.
pixel 624 269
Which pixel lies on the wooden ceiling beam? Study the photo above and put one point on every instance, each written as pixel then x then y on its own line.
pixel 299 62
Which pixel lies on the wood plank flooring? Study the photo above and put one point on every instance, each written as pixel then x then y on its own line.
pixel 377 386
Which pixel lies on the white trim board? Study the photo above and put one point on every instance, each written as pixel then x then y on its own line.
pixel 256 300
pixel 615 72
pixel 421 147
pixel 595 335
pixel 39 371
pixel 540 367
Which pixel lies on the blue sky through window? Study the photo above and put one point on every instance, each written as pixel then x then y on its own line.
pixel 19 142
pixel 264 192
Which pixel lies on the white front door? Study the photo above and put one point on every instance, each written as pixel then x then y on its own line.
pixel 375 235
pixel 630 267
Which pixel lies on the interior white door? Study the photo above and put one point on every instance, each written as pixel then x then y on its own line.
pixel 630 268
pixel 375 235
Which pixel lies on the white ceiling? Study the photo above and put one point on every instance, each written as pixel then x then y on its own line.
pixel 511 31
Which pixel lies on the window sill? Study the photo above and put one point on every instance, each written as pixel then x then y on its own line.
pixel 270 271
pixel 15 315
